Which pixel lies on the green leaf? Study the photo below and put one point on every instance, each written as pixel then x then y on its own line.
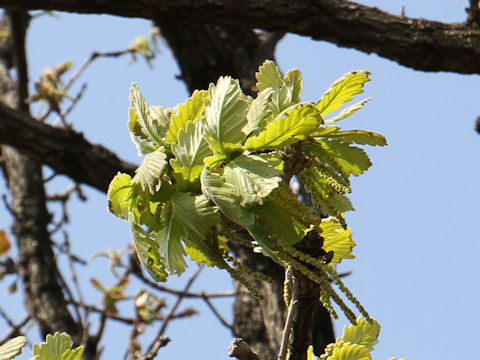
pixel 293 80
pixel 118 195
pixel 295 124
pixel 169 241
pixel 350 352
pixel 281 101
pixel 148 252
pixel 196 214
pixel 263 237
pixel 346 159
pixel 144 146
pixel 190 110
pixel 142 125
pixel 12 348
pixel 363 333
pixel 342 91
pixel 269 75
pixel 337 239
pixel 279 222
pixel 349 110
pixel 189 153
pixel 258 111
pixel 161 115
pixel 57 347
pixel 361 137
pixel 226 115
pixel 148 174
pixel 223 194
pixel 252 177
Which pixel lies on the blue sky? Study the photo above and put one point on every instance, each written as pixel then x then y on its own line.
pixel 416 208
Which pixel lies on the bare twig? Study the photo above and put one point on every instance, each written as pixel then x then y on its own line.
pixel 66 246
pixel 292 309
pixel 226 293
pixel 15 330
pixel 159 339
pixel 63 115
pixel 217 314
pixel 94 55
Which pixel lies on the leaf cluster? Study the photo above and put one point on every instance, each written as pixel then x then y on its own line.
pixel 55 347
pixel 357 342
pixel 219 165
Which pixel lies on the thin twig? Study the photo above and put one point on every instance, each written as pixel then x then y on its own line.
pixel 63 115
pixel 226 293
pixel 91 58
pixel 217 314
pixel 94 55
pixel 15 330
pixel 66 246
pixel 292 309
pixel 159 339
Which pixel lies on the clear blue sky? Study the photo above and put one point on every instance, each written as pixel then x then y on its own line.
pixel 415 223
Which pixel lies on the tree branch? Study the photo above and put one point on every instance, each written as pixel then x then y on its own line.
pixel 65 151
pixel 417 43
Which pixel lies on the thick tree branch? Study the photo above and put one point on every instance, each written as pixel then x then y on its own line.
pixel 417 43
pixel 65 151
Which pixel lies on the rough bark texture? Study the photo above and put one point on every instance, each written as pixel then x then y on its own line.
pixel 417 43
pixel 37 268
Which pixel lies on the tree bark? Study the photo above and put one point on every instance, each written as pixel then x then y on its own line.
pixel 417 43
pixel 37 267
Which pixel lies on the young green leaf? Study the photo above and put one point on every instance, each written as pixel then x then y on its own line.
pixel 170 243
pixel 148 174
pixel 342 91
pixel 337 239
pixel 58 346
pixel 360 137
pixel 259 112
pixel 12 348
pixel 118 195
pixel 190 110
pixel 148 252
pixel 269 75
pixel 349 110
pixel 279 222
pixel 223 194
pixel 161 115
pixel 252 177
pixel 142 125
pixel 350 352
pixel 189 153
pixel 225 115
pixel 293 80
pixel 346 159
pixel 363 333
pixel 292 126
pixel 196 214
